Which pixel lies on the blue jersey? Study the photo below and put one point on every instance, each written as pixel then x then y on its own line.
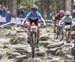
pixel 36 14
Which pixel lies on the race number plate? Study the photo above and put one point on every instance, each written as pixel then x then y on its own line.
pixel 34 28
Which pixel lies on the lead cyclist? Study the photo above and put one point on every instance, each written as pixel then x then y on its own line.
pixel 66 20
pixel 36 14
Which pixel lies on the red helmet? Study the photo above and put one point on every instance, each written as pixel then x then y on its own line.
pixel 62 12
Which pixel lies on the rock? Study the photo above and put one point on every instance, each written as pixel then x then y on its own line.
pixel 11 32
pixel 35 60
pixel 66 49
pixel 4 58
pixel 5 40
pixel 21 58
pixel 13 40
pixel 69 61
pixel 21 48
pixel 44 43
pixel 59 52
pixel 23 51
pixel 40 52
pixel 51 51
pixel 46 61
pixel 2 45
pixel 21 38
pixel 56 59
pixel 68 57
pixel 12 55
pixel 8 60
pixel 44 38
pixel 18 29
pixel 54 45
pixel 2 51
pixel 49 57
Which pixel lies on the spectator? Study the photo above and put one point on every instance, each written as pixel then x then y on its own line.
pixel 8 16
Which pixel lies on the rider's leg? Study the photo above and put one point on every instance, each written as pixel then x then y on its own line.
pixel 28 30
pixel 38 34
pixel 70 36
pixel 54 26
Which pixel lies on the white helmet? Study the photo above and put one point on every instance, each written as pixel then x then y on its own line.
pixel 34 7
pixel 67 13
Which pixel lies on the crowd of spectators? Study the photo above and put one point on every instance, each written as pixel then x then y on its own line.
pixel 6 15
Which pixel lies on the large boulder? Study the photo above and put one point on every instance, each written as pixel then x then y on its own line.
pixel 44 43
pixel 12 55
pixel 40 52
pixel 21 58
pixel 34 60
pixel 21 48
pixel 5 40
pixel 67 49
pixel 11 32
pixel 8 60
pixel 56 59
pixel 51 51
pixel 44 37
pixel 21 38
pixel 54 45
pixel 68 57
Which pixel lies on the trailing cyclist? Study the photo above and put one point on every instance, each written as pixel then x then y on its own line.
pixel 66 22
pixel 57 18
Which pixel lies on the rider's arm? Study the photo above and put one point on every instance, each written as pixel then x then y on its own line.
pixel 27 16
pixel 62 20
pixel 41 18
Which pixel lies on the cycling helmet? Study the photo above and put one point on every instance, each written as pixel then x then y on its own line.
pixel 61 12
pixel 67 13
pixel 34 7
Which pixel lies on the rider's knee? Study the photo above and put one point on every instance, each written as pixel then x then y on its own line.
pixel 28 24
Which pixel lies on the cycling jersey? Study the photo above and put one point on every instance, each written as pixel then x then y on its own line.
pixel 66 20
pixel 36 14
pixel 58 17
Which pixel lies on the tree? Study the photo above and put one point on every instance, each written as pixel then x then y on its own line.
pixel 12 6
pixel 26 3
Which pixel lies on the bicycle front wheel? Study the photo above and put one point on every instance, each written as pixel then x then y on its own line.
pixel 33 44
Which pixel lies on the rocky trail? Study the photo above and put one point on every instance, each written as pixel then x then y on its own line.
pixel 14 47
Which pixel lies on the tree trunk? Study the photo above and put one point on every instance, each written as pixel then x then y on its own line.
pixel 12 6
pixel 68 5
pixel 48 8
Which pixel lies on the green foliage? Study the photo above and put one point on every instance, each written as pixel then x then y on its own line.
pixel 26 2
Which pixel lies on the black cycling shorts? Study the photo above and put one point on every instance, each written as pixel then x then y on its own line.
pixel 68 23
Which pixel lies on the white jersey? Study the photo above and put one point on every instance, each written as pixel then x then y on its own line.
pixel 65 20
